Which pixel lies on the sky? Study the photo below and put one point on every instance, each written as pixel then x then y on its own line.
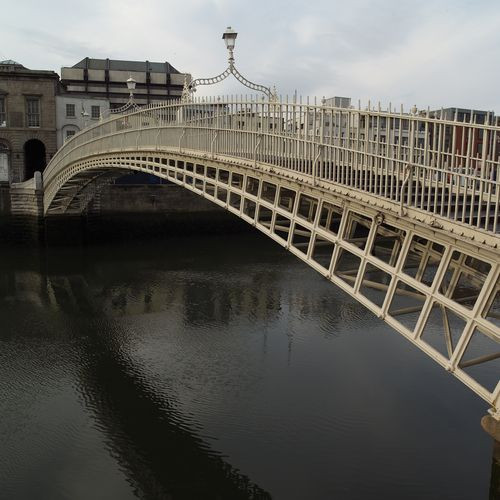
pixel 420 52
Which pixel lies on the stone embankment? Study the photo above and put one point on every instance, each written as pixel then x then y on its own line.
pixel 118 212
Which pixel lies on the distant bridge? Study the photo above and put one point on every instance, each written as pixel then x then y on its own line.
pixel 399 210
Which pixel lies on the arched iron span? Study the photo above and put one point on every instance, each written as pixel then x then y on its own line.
pixel 433 278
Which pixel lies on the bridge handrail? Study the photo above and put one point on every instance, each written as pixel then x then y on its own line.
pixel 371 150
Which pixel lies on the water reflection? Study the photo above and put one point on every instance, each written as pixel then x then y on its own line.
pixel 155 444
pixel 140 286
pixel 194 369
pixel 158 447
pixel 151 439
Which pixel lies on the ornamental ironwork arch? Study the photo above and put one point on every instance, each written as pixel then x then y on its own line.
pixel 190 88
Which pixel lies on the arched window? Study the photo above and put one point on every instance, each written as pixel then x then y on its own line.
pixel 68 131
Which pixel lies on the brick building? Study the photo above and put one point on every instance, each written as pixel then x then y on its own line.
pixel 27 120
pixel 469 139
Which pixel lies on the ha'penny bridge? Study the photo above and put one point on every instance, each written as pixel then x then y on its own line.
pixel 397 209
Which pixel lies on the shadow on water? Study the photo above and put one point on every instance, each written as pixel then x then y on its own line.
pixel 161 455
pixel 156 446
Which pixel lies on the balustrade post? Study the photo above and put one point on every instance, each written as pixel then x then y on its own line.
pixel 409 191
pixel 212 144
pixel 315 163
pixel 257 147
pixel 408 172
pixel 180 139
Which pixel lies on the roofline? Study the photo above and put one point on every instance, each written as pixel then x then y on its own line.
pixel 30 72
pixel 83 64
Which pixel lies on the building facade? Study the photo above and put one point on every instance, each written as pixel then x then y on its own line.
pixel 465 140
pixel 74 113
pixel 27 120
pixel 106 79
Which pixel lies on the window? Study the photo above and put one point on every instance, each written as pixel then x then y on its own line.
pixel 70 133
pixel 33 111
pixel 95 112
pixel 3 115
pixel 4 163
pixel 70 110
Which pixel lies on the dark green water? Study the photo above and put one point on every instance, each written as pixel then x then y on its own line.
pixel 217 368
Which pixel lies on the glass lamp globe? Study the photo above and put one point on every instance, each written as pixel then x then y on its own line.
pixel 229 38
pixel 131 84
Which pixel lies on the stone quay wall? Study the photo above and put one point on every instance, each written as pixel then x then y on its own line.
pixel 118 212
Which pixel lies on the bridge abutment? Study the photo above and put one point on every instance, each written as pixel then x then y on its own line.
pixel 26 211
pixel 492 427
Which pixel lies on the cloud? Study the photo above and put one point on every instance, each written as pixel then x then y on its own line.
pixel 431 52
pixel 439 64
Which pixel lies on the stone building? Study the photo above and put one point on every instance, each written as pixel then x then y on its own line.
pixel 27 120
pixel 106 79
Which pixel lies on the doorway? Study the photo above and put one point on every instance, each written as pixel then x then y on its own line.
pixel 34 158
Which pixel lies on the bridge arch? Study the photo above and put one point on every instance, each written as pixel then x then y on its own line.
pixel 440 295
pixel 406 227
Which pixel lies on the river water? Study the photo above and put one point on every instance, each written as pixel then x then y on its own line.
pixel 217 367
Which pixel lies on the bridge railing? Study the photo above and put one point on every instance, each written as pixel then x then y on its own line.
pixel 446 163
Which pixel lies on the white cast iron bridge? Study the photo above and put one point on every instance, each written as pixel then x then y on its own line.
pixel 400 210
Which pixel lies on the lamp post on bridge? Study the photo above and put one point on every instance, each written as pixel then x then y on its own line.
pixel 130 105
pixel 229 37
pixel 131 87
pixel 85 117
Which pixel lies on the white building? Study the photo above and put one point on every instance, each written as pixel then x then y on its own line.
pixel 74 113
